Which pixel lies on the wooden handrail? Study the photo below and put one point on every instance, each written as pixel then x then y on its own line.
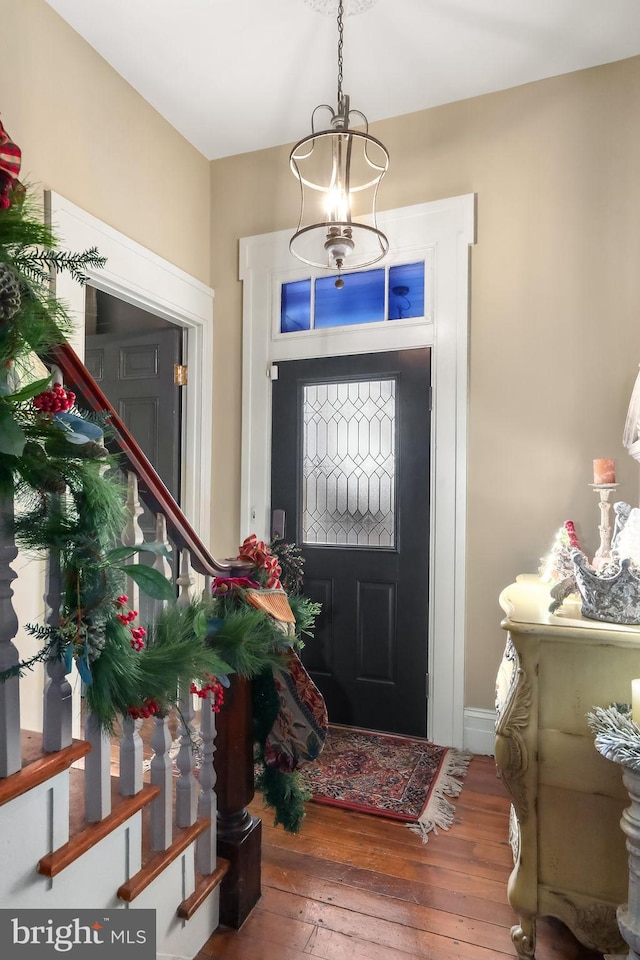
pixel 152 490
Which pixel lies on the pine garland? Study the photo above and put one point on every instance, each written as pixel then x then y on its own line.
pixel 617 736
pixel 70 500
pixel 29 250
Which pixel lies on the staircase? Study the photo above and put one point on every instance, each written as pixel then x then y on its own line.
pixel 77 830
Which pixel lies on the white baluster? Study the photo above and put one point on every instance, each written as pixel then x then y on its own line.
pixel 97 772
pixel 160 562
pixel 10 753
pixel 185 580
pixel 131 751
pixel 57 698
pixel 132 534
pixel 206 593
pixel 161 806
pixel 186 785
pixel 206 850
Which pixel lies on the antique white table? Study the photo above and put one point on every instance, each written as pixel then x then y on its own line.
pixel 570 860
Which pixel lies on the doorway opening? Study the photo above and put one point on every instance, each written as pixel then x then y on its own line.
pixel 134 356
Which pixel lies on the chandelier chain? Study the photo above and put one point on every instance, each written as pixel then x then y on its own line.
pixel 340 45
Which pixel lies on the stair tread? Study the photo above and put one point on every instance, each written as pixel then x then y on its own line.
pixel 38 766
pixel 122 809
pixel 155 865
pixel 205 884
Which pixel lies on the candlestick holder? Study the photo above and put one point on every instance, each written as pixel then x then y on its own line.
pixel 603 553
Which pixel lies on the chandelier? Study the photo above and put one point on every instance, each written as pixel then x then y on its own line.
pixel 339 170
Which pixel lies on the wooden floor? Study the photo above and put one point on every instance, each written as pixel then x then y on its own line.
pixel 357 887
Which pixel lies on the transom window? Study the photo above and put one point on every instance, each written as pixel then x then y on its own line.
pixel 369 296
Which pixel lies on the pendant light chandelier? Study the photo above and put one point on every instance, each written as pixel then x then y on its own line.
pixel 339 170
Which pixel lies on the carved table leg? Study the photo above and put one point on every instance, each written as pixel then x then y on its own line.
pixel 523 936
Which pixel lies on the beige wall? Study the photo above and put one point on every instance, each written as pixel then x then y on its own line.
pixel 89 136
pixel 555 296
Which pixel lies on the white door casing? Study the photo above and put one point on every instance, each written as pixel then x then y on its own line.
pixel 441 233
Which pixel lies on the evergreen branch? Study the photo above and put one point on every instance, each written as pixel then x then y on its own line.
pixel 32 271
pixel 306 613
pixel 38 262
pixel 284 792
pixel 45 653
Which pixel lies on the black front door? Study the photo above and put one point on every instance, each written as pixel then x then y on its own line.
pixel 350 468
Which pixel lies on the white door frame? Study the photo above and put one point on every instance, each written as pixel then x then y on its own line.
pixel 441 232
pixel 142 278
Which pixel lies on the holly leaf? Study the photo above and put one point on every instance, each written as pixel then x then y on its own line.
pixel 12 437
pixel 200 624
pixel 118 554
pixel 31 390
pixel 151 581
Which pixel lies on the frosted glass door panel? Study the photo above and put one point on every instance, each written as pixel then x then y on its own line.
pixel 349 463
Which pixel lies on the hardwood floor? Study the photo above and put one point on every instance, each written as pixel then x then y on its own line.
pixel 357 887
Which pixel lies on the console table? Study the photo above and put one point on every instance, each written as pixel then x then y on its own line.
pixel 569 853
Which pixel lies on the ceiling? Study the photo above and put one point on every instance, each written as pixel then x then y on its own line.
pixel 234 76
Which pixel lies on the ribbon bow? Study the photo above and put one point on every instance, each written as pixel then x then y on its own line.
pixel 10 159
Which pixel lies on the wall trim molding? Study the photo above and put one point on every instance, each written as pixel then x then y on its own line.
pixel 479 730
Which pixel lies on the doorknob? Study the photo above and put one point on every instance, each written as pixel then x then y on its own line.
pixel 278 524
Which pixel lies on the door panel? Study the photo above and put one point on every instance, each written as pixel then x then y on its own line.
pixel 350 466
pixel 136 374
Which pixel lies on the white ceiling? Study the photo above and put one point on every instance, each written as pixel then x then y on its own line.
pixel 238 75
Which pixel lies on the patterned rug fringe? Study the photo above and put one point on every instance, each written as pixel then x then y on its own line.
pixel 439 811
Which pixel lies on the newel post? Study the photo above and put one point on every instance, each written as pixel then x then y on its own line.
pixel 239 834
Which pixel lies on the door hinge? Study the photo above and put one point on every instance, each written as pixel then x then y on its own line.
pixel 180 374
pixel 426 683
pixel 272 371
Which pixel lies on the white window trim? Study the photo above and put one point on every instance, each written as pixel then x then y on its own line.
pixel 441 232
pixel 142 278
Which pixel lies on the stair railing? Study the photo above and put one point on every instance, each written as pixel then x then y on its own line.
pixel 195 796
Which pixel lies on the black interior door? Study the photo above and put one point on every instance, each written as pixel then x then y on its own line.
pixel 350 468
pixel 136 373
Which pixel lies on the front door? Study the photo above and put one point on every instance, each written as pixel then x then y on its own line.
pixel 350 470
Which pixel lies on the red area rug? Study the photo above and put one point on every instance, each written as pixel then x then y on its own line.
pixel 388 776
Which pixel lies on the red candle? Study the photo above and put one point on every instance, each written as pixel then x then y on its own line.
pixel 604 471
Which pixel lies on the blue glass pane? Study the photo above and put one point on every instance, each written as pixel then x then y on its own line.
pixel 295 306
pixel 361 300
pixel 406 291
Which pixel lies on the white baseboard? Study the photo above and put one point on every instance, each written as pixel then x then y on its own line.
pixel 479 730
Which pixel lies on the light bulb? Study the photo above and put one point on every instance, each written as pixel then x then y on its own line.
pixel 338 206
